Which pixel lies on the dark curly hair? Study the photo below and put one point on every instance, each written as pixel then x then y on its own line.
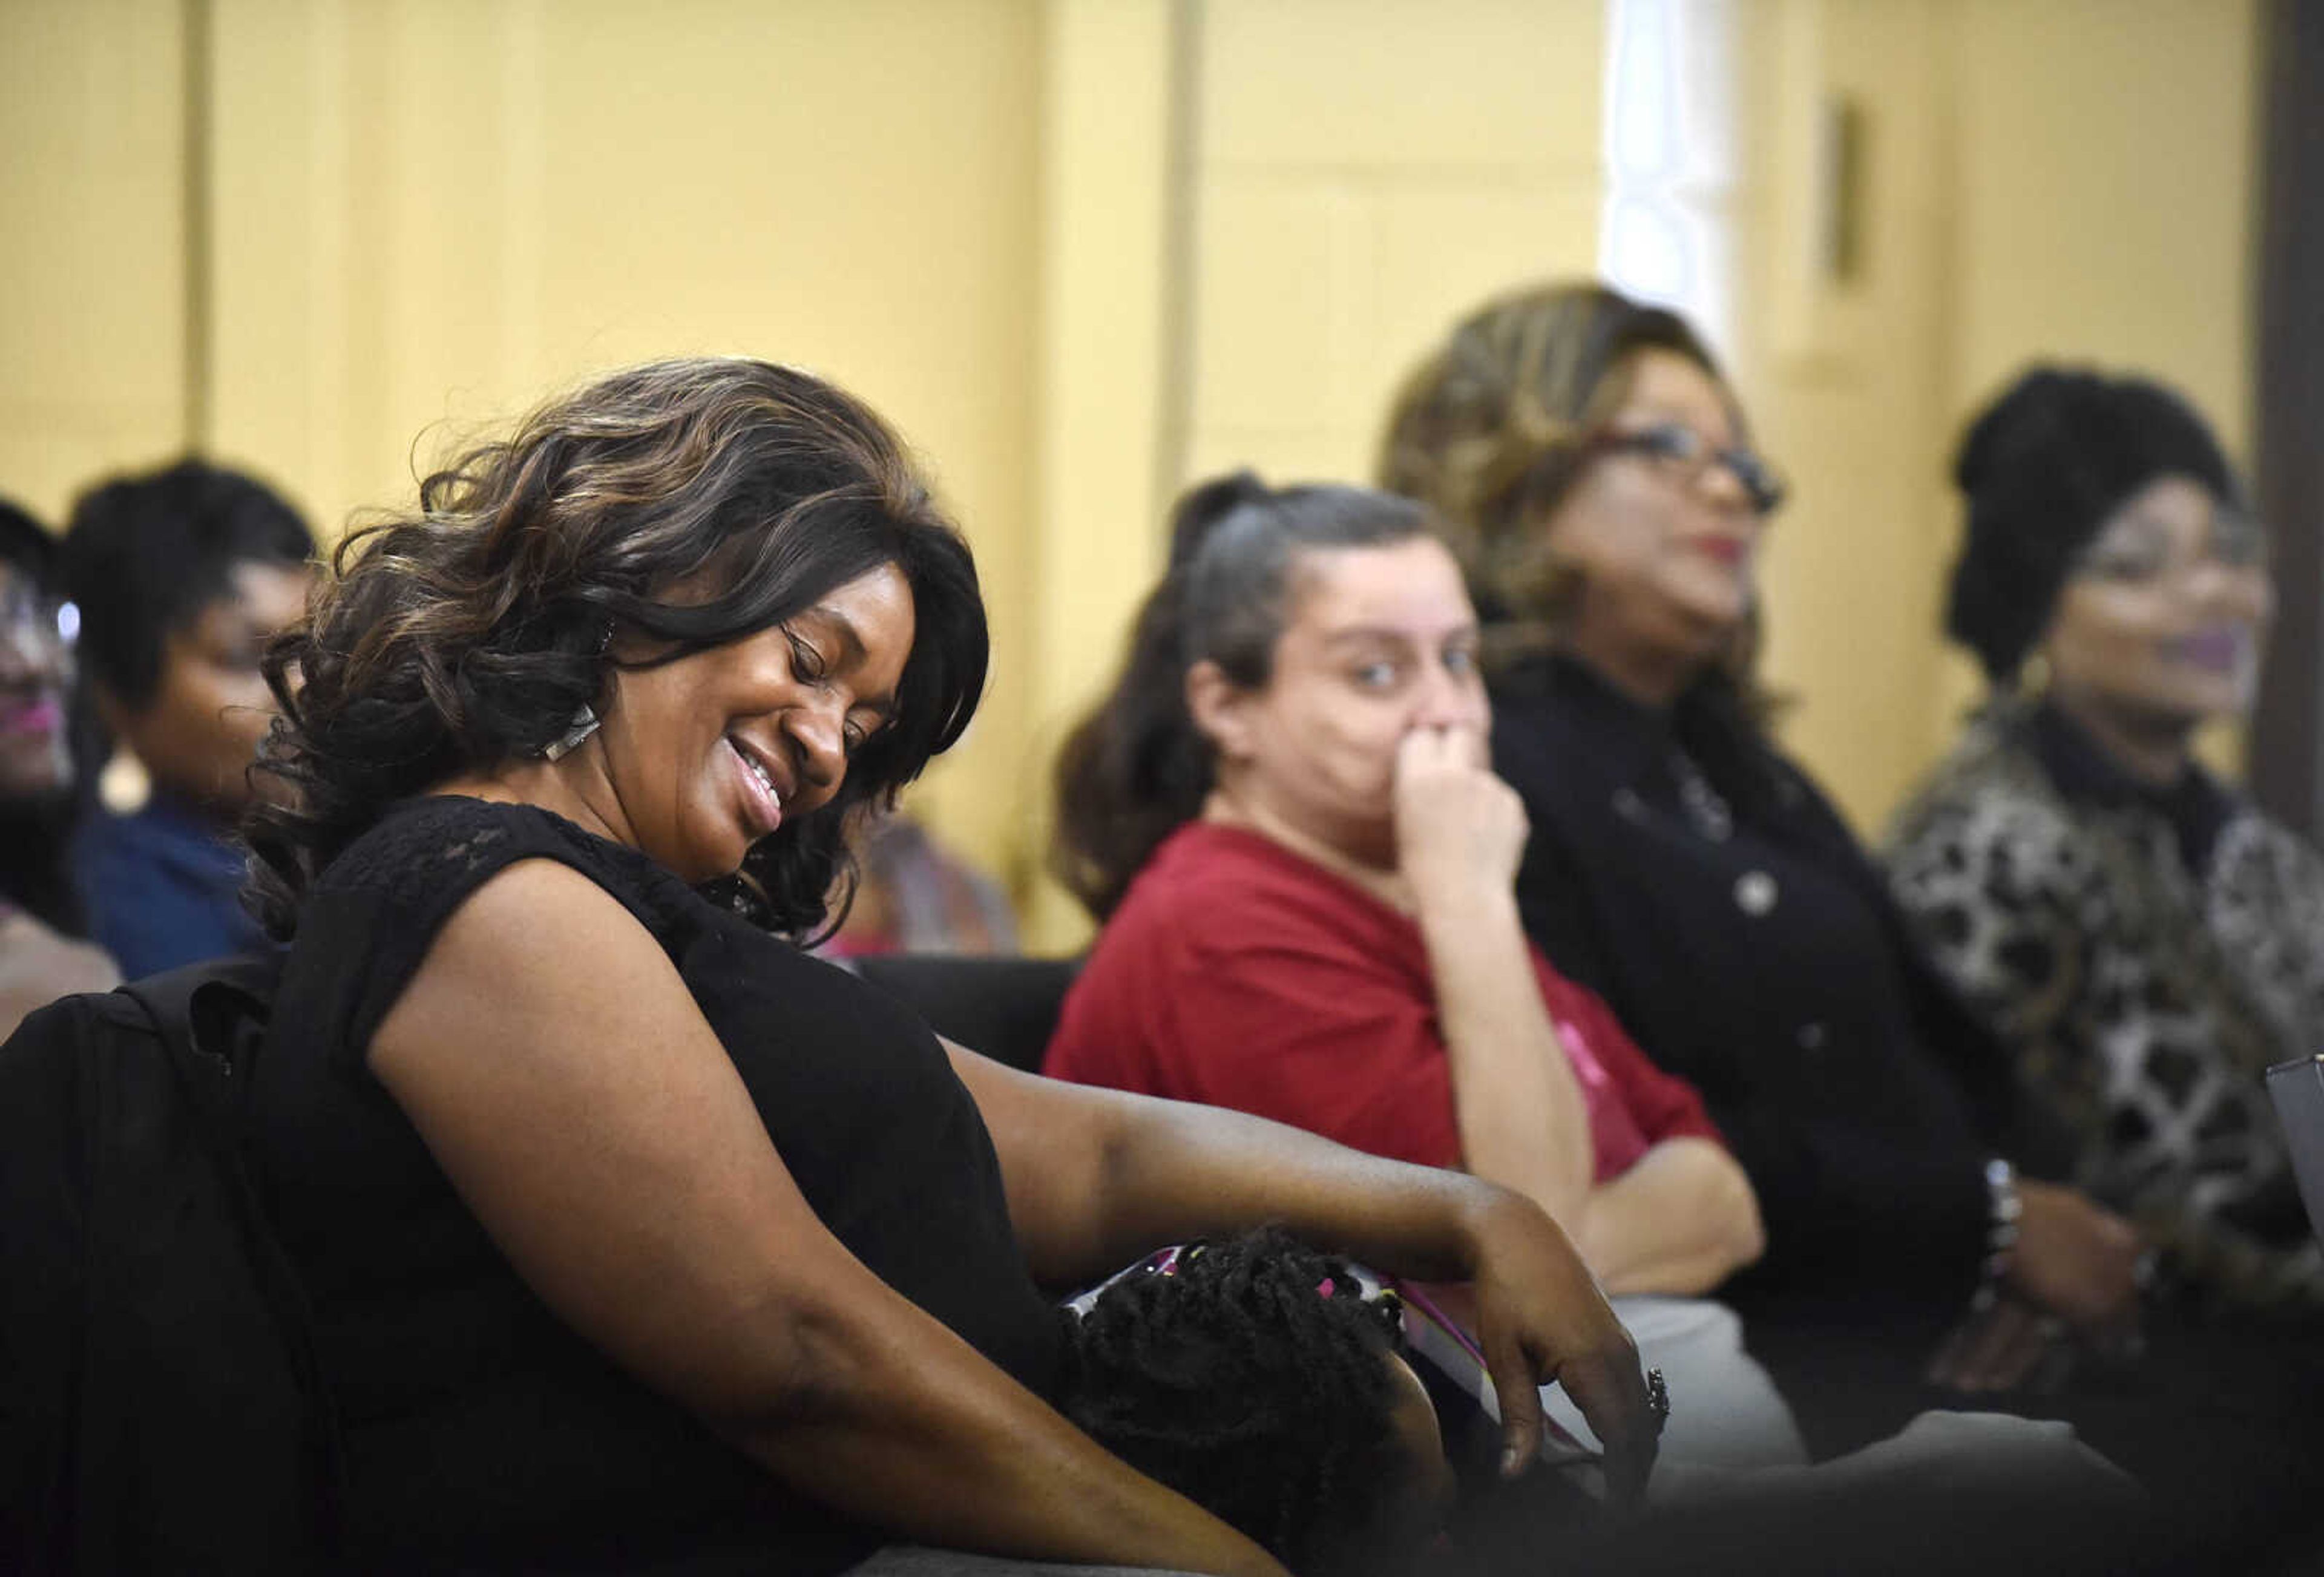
pixel 470 632
pixel 1254 1381
pixel 1136 768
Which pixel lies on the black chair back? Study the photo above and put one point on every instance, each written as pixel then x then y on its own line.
pixel 1006 1007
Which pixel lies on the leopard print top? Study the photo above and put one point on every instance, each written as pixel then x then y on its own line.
pixel 2144 999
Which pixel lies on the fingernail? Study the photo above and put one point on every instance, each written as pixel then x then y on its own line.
pixel 1512 1459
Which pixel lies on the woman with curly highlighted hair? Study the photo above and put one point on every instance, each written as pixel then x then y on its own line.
pixel 1595 471
pixel 635 1236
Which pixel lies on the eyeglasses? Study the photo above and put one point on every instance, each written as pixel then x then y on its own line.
pixel 29 615
pixel 2142 551
pixel 1685 454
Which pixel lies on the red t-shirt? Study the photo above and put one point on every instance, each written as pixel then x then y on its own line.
pixel 1238 973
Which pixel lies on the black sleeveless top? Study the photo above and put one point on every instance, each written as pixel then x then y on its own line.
pixel 482 1433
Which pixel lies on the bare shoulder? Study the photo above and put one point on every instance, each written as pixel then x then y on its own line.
pixel 536 950
pixel 551 1057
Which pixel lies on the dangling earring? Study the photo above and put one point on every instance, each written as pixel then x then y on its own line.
pixel 585 720
pixel 585 723
pixel 2033 676
pixel 122 784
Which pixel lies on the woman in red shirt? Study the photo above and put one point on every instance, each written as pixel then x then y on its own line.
pixel 1284 816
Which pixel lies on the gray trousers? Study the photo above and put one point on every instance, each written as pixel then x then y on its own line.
pixel 1725 1412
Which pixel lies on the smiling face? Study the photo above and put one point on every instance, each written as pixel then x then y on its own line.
pixel 706 755
pixel 1378 642
pixel 2161 626
pixel 1665 559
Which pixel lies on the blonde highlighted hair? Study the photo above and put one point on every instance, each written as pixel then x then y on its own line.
pixel 1491 429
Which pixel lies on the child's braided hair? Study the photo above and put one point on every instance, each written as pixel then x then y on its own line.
pixel 1252 1378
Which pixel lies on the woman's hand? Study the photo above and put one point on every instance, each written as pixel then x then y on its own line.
pixel 1998 1348
pixel 2074 1267
pixel 1459 829
pixel 1679 1221
pixel 1540 1318
pixel 1517 1102
pixel 2074 1259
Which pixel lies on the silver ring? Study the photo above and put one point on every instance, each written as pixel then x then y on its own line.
pixel 1658 1398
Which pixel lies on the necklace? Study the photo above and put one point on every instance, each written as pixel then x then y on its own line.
pixel 1706 811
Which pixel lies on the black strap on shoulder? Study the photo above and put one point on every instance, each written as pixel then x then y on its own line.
pixel 211 1017
pixel 198 1007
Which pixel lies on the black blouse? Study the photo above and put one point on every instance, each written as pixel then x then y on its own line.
pixel 1699 883
pixel 483 1433
pixel 2195 808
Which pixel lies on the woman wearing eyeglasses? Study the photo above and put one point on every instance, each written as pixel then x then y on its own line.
pixel 41 958
pixel 2144 941
pixel 1596 476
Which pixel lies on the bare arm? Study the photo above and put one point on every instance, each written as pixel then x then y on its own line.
pixel 553 1061
pixel 1677 1222
pixel 1460 832
pixel 1682 1220
pixel 1097 1176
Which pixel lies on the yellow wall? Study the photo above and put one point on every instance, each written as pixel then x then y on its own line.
pixel 1363 172
pixel 1111 332
pixel 2046 178
pixel 429 214
pixel 1844 383
pixel 2106 200
pixel 92 273
pixel 2108 169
